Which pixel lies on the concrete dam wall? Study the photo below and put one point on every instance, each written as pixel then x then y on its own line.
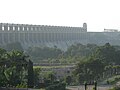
pixel 41 35
pixel 50 36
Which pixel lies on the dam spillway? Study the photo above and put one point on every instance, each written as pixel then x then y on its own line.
pixel 41 35
pixel 61 36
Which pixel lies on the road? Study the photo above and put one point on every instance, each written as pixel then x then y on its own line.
pixel 90 87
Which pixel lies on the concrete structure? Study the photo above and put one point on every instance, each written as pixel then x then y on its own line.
pixel 60 36
pixel 40 35
pixel 110 30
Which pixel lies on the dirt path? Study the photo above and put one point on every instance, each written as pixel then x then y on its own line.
pixel 89 87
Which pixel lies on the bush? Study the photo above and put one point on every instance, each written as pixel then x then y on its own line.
pixel 113 80
pixel 59 86
pixel 115 88
pixel 21 86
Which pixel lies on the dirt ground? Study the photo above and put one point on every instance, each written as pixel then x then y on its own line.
pixel 89 87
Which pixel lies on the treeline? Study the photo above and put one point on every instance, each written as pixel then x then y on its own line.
pixel 56 55
pixel 44 53
pixel 103 63
pixel 94 62
pixel 73 54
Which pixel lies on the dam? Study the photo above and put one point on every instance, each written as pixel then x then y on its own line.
pixel 40 35
pixel 61 36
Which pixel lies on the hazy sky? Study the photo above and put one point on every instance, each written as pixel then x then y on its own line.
pixel 98 14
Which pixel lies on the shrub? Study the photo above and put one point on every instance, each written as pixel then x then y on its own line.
pixel 115 88
pixel 59 86
pixel 21 86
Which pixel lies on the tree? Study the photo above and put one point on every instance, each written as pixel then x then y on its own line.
pixel 68 80
pixel 13 65
pixel 37 76
pixel 107 54
pixel 42 53
pixel 14 46
pixel 89 69
pixel 30 75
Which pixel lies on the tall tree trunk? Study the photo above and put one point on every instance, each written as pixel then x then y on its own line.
pixel 30 75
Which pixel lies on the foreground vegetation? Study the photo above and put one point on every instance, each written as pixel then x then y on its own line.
pixel 16 71
pixel 115 88
pixel 93 63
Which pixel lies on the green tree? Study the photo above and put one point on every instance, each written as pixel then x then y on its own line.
pixel 107 53
pixel 37 76
pixel 13 65
pixel 89 69
pixel 68 80
pixel 14 46
pixel 30 75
